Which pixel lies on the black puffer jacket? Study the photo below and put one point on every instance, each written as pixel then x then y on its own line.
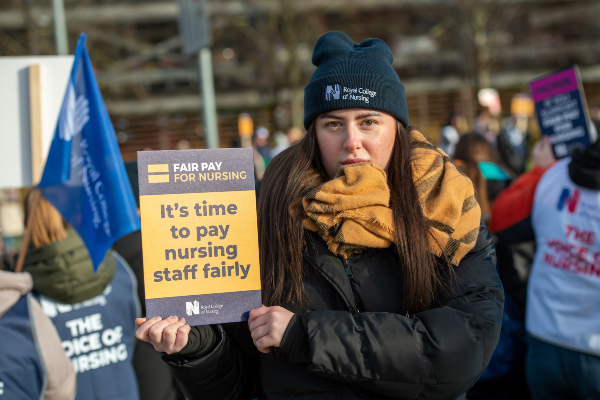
pixel 351 339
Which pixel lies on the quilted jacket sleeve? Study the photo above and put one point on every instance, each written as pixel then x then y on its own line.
pixel 227 372
pixel 436 354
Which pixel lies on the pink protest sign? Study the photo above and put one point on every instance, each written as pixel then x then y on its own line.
pixel 553 85
pixel 561 112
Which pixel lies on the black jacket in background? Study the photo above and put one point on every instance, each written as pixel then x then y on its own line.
pixel 155 381
pixel 130 248
pixel 514 156
pixel 351 339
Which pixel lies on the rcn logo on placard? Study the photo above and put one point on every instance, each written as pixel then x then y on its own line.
pixel 192 308
pixel 332 91
pixel 568 199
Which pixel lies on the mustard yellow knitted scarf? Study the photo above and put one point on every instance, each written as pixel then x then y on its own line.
pixel 351 212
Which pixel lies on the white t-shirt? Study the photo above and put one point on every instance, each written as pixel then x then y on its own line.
pixel 563 303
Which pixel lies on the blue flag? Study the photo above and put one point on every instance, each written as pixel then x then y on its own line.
pixel 84 176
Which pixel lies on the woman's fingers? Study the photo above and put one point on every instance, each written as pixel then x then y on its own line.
pixel 257 312
pixel 267 328
pixel 170 332
pixel 156 331
pixel 142 331
pixel 259 332
pixel 265 343
pixel 263 349
pixel 169 336
pixel 259 321
pixel 182 338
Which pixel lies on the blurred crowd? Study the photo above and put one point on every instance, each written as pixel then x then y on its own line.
pixel 529 200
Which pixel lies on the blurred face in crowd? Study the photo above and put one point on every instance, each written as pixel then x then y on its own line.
pixel 260 142
pixel 295 134
pixel 353 136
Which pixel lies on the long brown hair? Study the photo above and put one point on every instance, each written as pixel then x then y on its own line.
pixel 288 179
pixel 47 225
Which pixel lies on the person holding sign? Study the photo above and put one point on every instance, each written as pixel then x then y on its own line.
pixel 557 204
pixel 378 277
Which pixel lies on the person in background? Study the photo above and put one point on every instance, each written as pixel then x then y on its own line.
pixel 91 311
pixel 261 143
pixel 33 364
pixel 479 160
pixel 448 136
pixel 486 125
pixel 504 379
pixel 281 143
pixel 557 203
pixel 11 220
pixel 259 167
pixel 295 134
pixel 284 141
pixel 261 154
pixel 154 377
pixel 183 145
pixel 513 143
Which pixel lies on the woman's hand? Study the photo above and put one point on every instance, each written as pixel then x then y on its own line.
pixel 267 326
pixel 542 153
pixel 168 335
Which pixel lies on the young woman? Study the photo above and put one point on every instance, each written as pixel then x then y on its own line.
pixel 378 278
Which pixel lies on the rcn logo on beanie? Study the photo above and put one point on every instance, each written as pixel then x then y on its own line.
pixel 332 91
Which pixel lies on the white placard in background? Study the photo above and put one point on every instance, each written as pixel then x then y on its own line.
pixel 15 139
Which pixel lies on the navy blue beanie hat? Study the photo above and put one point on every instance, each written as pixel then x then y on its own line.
pixel 351 75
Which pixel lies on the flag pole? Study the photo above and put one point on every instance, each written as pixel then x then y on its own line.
pixel 207 89
pixel 27 236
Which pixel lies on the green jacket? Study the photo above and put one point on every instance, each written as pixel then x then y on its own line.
pixel 63 270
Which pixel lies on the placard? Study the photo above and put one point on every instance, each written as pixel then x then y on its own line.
pixel 199 234
pixel 559 106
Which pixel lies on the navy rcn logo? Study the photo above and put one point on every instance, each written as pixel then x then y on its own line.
pixel 332 91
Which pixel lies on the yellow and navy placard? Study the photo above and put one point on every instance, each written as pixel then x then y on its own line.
pixel 199 236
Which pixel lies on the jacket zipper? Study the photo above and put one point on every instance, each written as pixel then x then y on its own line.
pixel 349 275
pixel 347 269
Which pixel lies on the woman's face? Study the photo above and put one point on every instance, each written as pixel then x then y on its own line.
pixel 353 136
